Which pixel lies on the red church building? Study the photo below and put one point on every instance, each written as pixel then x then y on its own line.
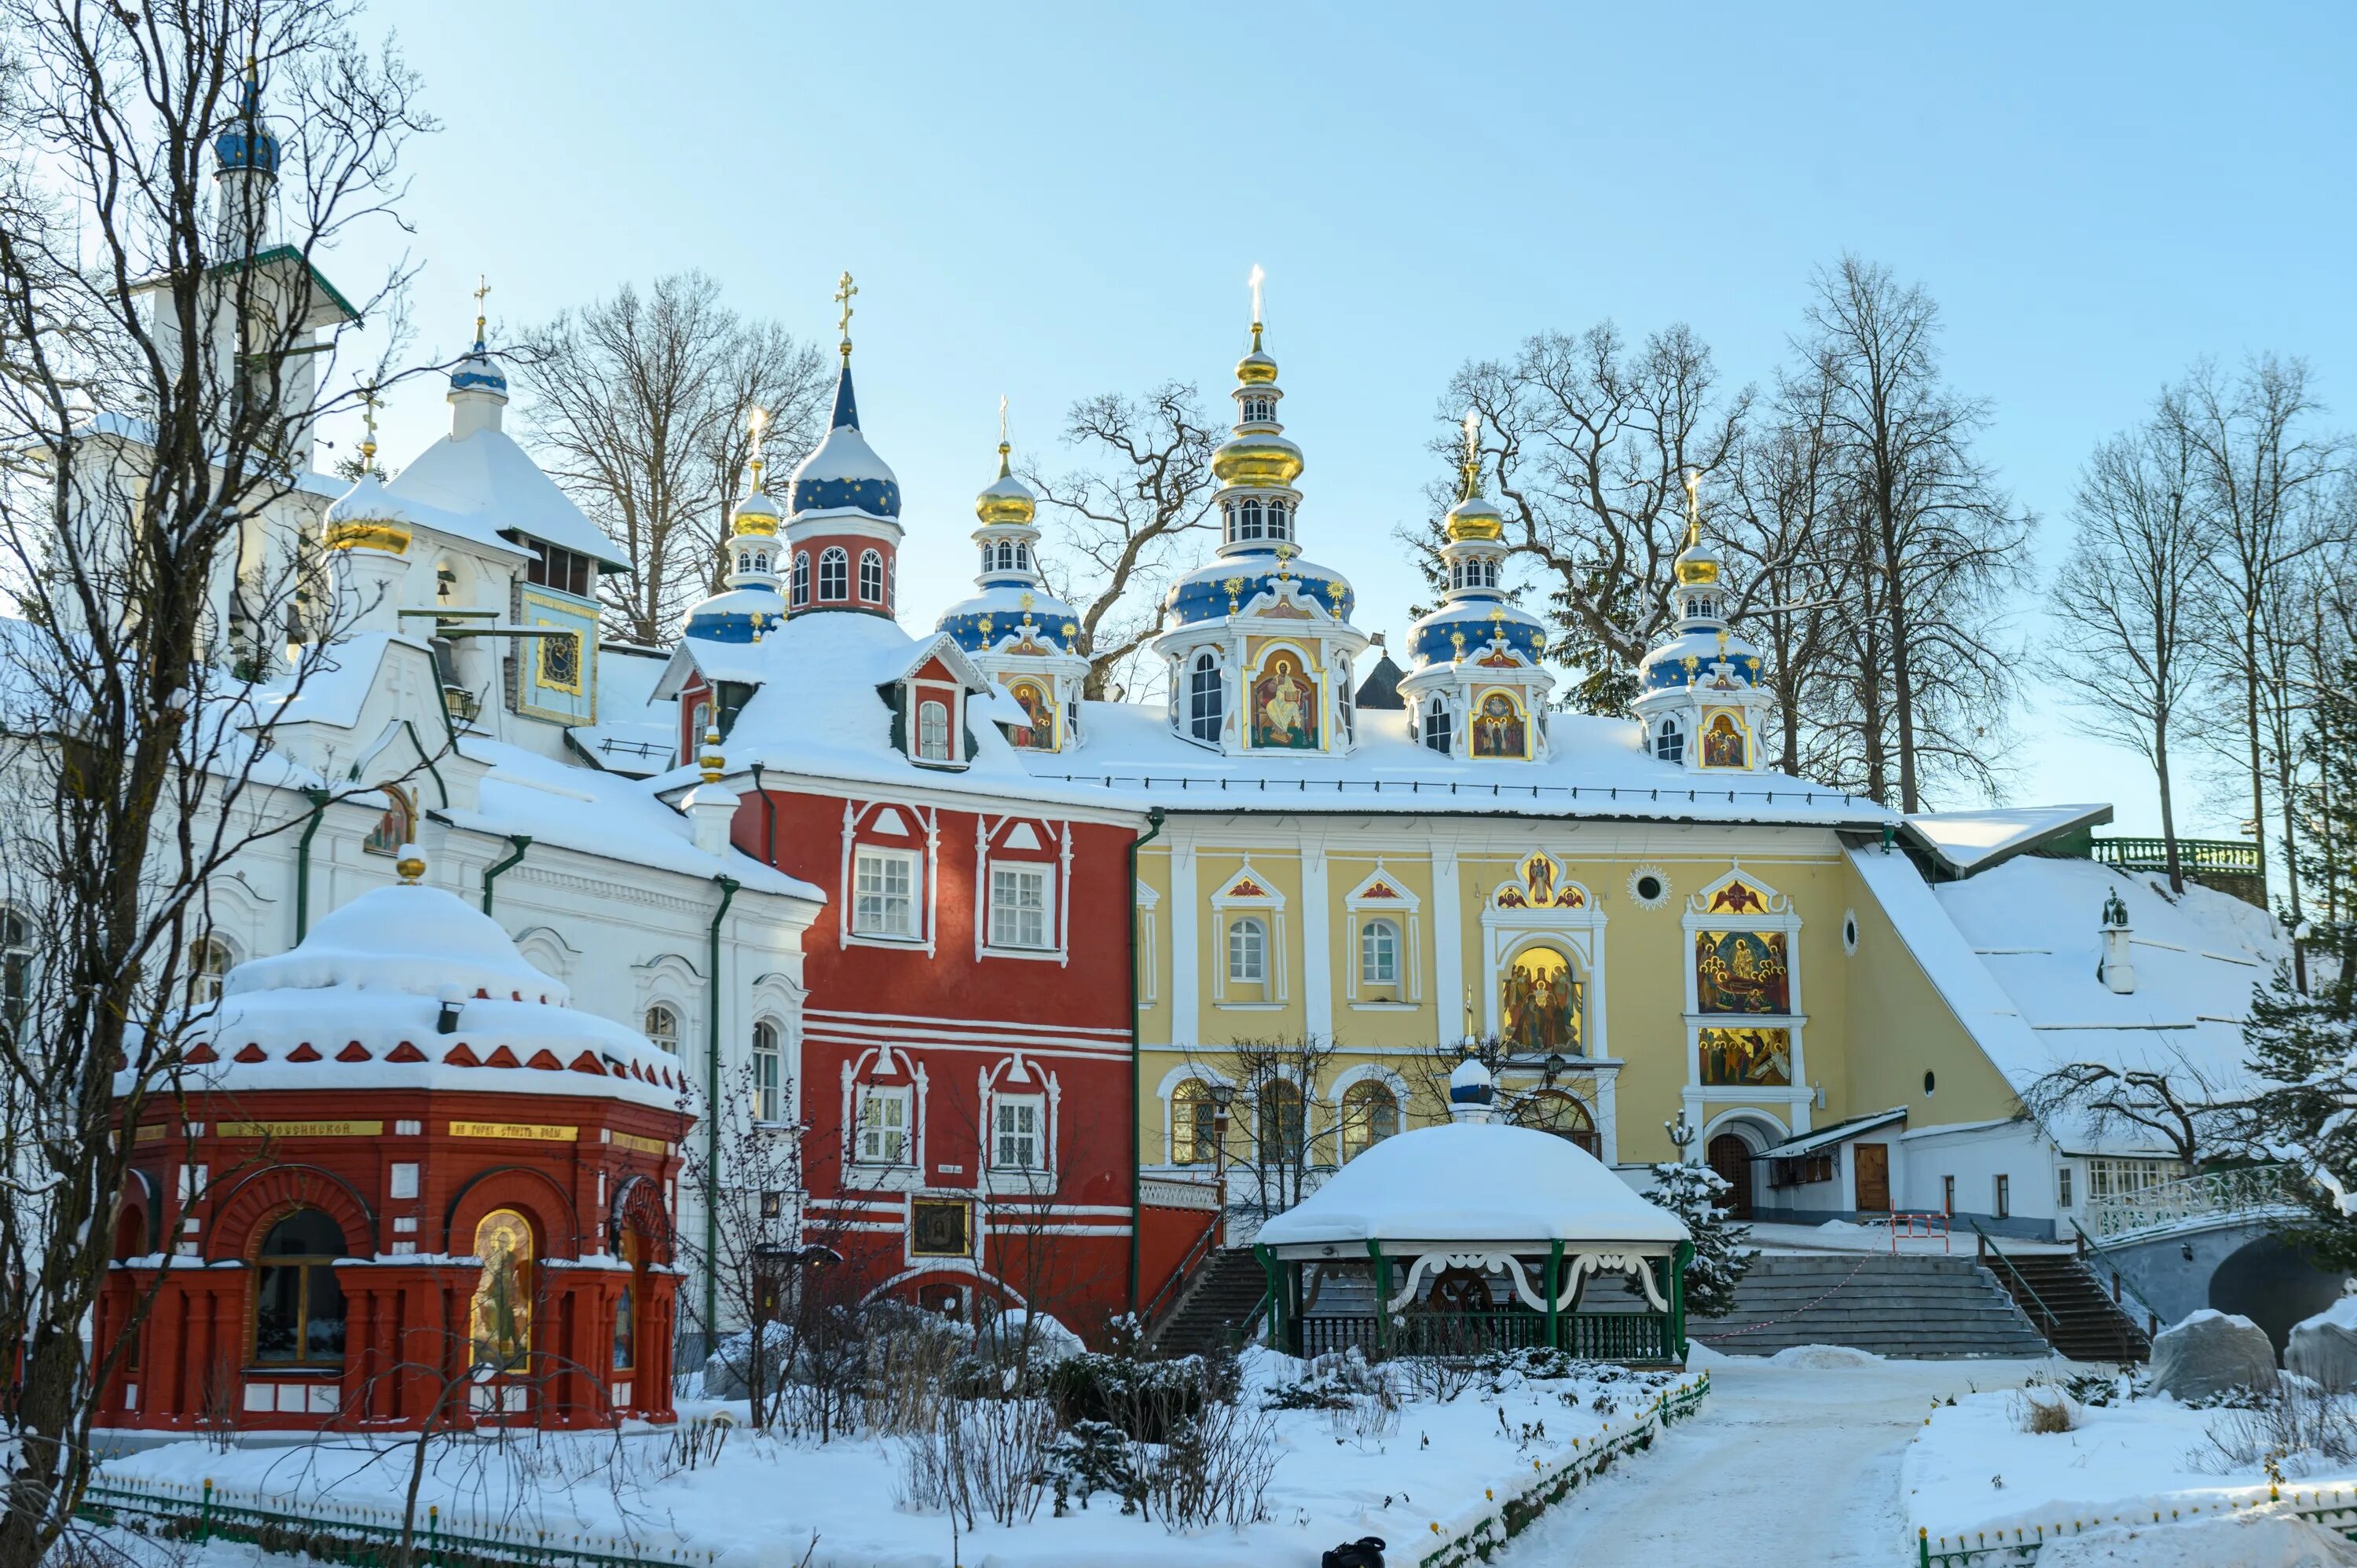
pixel 408 1184
pixel 965 1079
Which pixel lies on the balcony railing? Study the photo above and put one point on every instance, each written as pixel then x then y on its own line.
pixel 2220 1195
pixel 2215 857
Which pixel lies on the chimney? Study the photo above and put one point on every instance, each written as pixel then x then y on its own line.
pixel 2116 970
pixel 711 806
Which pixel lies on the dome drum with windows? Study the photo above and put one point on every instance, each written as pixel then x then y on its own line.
pixel 400 1121
pixel 1700 692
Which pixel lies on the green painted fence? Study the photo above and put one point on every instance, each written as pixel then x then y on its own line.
pixel 2018 1546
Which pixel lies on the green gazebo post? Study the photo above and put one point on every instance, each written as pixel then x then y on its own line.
pixel 1276 1273
pixel 1677 1295
pixel 1382 1273
pixel 1553 1289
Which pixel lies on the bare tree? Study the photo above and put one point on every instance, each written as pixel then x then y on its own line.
pixel 2175 1100
pixel 1122 521
pixel 1788 483
pixel 1274 1144
pixel 161 368
pixel 641 405
pixel 1934 547
pixel 2129 599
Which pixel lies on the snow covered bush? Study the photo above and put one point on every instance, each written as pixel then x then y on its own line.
pixel 2294 1426
pixel 1692 1192
pixel 981 1458
pixel 1215 1469
pixel 2042 1408
pixel 1148 1400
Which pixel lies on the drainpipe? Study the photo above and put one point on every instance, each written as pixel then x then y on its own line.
pixel 769 816
pixel 522 842
pixel 319 798
pixel 728 885
pixel 1137 1054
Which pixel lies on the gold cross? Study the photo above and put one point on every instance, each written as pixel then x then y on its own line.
pixel 483 287
pixel 843 290
pixel 370 403
pixel 1002 419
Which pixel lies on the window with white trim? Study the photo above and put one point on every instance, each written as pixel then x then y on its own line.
pixel 1379 954
pixel 1020 908
pixel 871 577
pixel 884 893
pixel 1203 699
pixel 1247 952
pixel 933 730
pixel 834 573
pixel 769 1075
pixel 800 591
pixel 1670 743
pixel 1436 725
pixel 883 1127
pixel 663 1028
pixel 1019 1124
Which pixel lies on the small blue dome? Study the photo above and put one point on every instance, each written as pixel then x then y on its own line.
pixel 478 373
pixel 246 142
pixel 1694 656
pixel 1208 591
pixel 1432 641
pixel 730 617
pixel 1002 608
pixel 843 473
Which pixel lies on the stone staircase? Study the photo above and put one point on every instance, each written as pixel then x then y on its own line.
pixel 1912 1307
pixel 2065 1303
pixel 1211 1312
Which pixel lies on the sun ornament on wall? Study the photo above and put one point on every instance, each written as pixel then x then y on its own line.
pixel 1649 886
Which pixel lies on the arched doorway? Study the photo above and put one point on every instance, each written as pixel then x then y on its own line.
pixel 1730 1155
pixel 2274 1284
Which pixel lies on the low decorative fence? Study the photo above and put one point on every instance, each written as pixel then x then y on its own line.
pixel 1636 1336
pixel 1549 1485
pixel 359 1536
pixel 2257 1190
pixel 2017 1547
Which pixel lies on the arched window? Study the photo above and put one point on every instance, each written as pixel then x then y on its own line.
pixel 834 574
pixel 760 559
pixel 1436 725
pixel 1284 1123
pixel 626 1314
pixel 1194 1127
pixel 1370 1114
pixel 1553 1111
pixel 1248 952
pixel 1278 527
pixel 663 1028
pixel 502 1316
pixel 1258 410
pixel 394 828
pixel 1379 949
pixel 1248 519
pixel 699 719
pixel 1456 574
pixel 1347 701
pixel 1203 699
pixel 800 594
pixel 933 731
pixel 871 577
pixel 1670 742
pixel 209 961
pixel 298 1307
pixel 1022 557
pixel 768 1074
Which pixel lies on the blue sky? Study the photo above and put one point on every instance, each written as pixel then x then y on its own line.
pixel 1048 201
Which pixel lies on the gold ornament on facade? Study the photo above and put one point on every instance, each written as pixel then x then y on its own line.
pixel 712 762
pixel 410 866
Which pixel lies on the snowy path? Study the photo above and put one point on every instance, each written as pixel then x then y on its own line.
pixel 1786 1465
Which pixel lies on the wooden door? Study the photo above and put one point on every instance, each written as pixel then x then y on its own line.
pixel 1730 1156
pixel 1873 1177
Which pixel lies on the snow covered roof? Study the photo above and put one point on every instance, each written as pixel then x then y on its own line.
pixel 1967 842
pixel 356 1005
pixel 635 733
pixel 482 485
pixel 2015 949
pixel 1475 1183
pixel 1595 767
pixel 1827 1137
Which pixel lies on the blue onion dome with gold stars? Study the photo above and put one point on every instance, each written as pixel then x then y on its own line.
pixel 1014 611
pixel 1475 620
pixel 477 371
pixel 1701 639
pixel 843 473
pixel 246 143
pixel 752 602
pixel 1259 555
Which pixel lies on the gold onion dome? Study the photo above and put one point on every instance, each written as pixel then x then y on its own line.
pixel 367 518
pixel 1263 459
pixel 1697 563
pixel 757 513
pixel 1006 499
pixel 1256 369
pixel 1473 519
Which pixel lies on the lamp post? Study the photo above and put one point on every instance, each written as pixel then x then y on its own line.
pixel 1223 1097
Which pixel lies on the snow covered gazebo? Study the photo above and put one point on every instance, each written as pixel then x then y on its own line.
pixel 1480 1237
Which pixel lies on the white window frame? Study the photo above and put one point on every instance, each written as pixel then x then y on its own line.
pixel 646 1022
pixel 1198 690
pixel 869 1143
pixel 1004 1108
pixel 769 1058
pixel 837 556
pixel 1381 895
pixel 913 864
pixel 871 571
pixel 933 730
pixel 1379 938
pixel 1000 916
pixel 799 594
pixel 1256 949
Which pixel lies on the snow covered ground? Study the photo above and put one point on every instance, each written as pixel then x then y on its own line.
pixel 1798 1462
pixel 2125 1463
pixel 1340 1476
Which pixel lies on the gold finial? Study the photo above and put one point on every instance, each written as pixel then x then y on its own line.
pixel 1028 601
pixel 1694 508
pixel 370 403
pixel 1471 464
pixel 1257 278
pixel 843 289
pixel 757 425
pixel 410 864
pixel 483 287
pixel 712 761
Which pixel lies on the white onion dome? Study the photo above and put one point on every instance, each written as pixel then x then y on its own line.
pixel 843 473
pixel 1228 587
pixel 368 516
pixel 411 939
pixel 1469 1083
pixel 1005 501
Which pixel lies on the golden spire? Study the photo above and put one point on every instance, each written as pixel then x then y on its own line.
pixel 843 289
pixel 712 762
pixel 1694 509
pixel 370 403
pixel 1471 464
pixel 1004 449
pixel 1257 278
pixel 757 425
pixel 483 287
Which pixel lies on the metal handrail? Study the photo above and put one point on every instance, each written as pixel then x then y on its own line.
pixel 2119 1280
pixel 1204 1245
pixel 2256 1190
pixel 2052 1318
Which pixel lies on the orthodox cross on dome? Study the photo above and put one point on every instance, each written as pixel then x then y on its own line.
pixel 1002 419
pixel 757 426
pixel 483 287
pixel 370 403
pixel 1472 452
pixel 843 290
pixel 1258 277
pixel 1694 508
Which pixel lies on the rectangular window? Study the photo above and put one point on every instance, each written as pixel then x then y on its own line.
pixel 1378 953
pixel 1947 1194
pixel 1018 906
pixel 2120 1178
pixel 884 894
pixel 1019 1121
pixel 883 1127
pixel 2063 1186
pixel 2004 1196
pixel 1247 952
